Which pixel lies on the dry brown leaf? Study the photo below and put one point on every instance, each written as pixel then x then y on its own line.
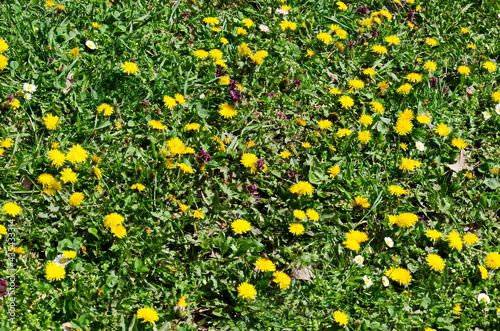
pixel 333 78
pixel 460 163
pixel 69 82
pixel 301 273
pixel 26 183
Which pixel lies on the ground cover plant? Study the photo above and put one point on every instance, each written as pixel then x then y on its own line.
pixel 262 165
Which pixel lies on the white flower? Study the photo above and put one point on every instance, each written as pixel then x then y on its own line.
pixel 90 44
pixel 486 115
pixel 264 28
pixel 359 260
pixel 368 282
pixel 389 242
pixel 29 87
pixel 497 109
pixel 28 96
pixel 281 11
pixel 483 297
pixel 61 260
pixel 420 146
pixel 385 281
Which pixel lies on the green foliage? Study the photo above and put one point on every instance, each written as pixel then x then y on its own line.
pixel 177 239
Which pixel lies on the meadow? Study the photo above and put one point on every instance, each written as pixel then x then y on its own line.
pixel 249 165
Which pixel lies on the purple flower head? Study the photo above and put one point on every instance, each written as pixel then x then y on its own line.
pixel 281 115
pixel 252 188
pixel 271 94
pixel 351 44
pixel 3 288
pixel 236 95
pixel 220 72
pixel 433 82
pixel 411 16
pixel 204 156
pixel 145 103
pixel 10 98
pixel 362 10
pixel 51 59
pixel 297 82
pixel 186 14
pixel 260 164
pixel 375 33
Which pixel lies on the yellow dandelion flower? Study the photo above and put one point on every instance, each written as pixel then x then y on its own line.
pixel 130 68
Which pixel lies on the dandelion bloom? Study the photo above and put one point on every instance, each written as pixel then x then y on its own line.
pixel 157 125
pixel 200 54
pixel 130 67
pixel 463 70
pixel 325 37
pixel 119 231
pixel 325 124
pixel 301 215
pixel 3 46
pixel 186 168
pixel 227 111
pixel 285 154
pixel 400 275
pixel 76 154
pixel 54 272
pixel 379 49
pixel 169 102
pixel 340 318
pixel 483 271
pixel 247 291
pixel 11 208
pixel 490 66
pixel 76 199
pixel 56 157
pixel 341 6
pixel 430 66
pixel 403 126
pixel 377 107
pixel 346 101
pixel 370 72
pixel 492 260
pixel 459 143
pixel 356 84
pixel 343 133
pixel 424 118
pixel 470 239
pixel 51 122
pixel 364 137
pixel 296 229
pixel 241 226
pixel 313 215
pixel 69 254
pixel 406 220
pixel 442 129
pixel 431 42
pixel 404 89
pixel 105 109
pixel 113 219
pixel 414 77
pixel 333 171
pixel 302 188
pixel 361 202
pixel 495 96
pixel 211 20
pixel 436 262
pixel 148 314
pixel 264 264
pixel 282 279
pixel 397 190
pixel 249 160
pixel 198 214
pixel 357 236
pixel 454 240
pixel 287 25
pixel 351 244
pixel 68 175
pixel 176 146
pixel 138 187
pixel 365 120
pixel 392 40
pixel 409 164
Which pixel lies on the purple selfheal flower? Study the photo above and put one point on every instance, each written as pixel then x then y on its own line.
pixel 236 95
pixel 362 10
pixel 297 82
pixel 186 14
pixel 220 72
pixel 10 98
pixel 261 164
pixel 3 288
pixel 252 188
pixel 411 16
pixel 51 59
pixel 351 44
pixel 433 82
pixel 375 33
pixel 281 115
pixel 271 94
pixel 204 156
pixel 145 103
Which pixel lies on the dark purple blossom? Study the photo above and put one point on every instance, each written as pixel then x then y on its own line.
pixel 297 82
pixel 252 188
pixel 3 288
pixel 362 10
pixel 375 33
pixel 204 156
pixel 433 82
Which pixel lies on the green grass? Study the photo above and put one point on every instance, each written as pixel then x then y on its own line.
pixel 168 253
